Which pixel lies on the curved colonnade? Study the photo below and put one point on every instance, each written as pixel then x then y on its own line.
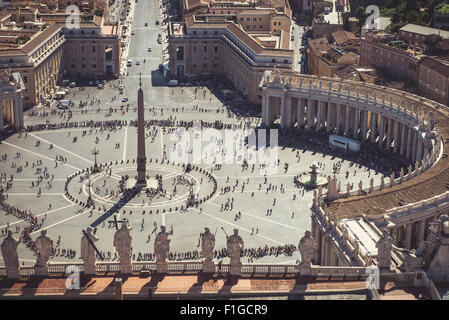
pixel 411 127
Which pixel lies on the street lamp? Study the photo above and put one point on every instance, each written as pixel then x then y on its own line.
pixel 89 199
pixel 95 152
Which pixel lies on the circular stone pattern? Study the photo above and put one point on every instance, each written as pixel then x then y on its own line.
pixel 170 187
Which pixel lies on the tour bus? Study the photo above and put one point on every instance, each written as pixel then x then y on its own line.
pixel 344 143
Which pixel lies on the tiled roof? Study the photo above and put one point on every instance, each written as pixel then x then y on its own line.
pixel 414 28
pixel 342 36
pixel 436 65
pixel 40 37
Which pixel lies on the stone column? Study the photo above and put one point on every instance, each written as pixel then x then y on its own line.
pixel 284 112
pixel 328 117
pixel 301 106
pixel 338 127
pixel 408 236
pixel 364 125
pixel 323 250
pixel 373 127
pixel 396 137
pixel 20 108
pixel 415 146
pixel 347 108
pixel 1 115
pixel 269 112
pixel 389 131
pixel 421 231
pixel 381 130
pixel 356 123
pixel 419 152
pixel 309 114
pixel 403 142
pixel 409 143
pixel 318 241
pixel 264 108
pixel 15 106
pixel 318 115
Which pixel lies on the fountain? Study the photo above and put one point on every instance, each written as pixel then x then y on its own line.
pixel 312 180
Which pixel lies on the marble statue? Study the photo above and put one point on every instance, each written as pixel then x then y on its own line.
pixel 207 249
pixel 161 249
pixel 371 185
pixel 382 182
pixel 10 257
pixel 88 251
pixel 122 244
pixel 348 189
pixel 235 246
pixel 43 246
pixel 307 247
pixel 384 246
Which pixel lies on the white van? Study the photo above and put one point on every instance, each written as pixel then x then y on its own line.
pixel 64 104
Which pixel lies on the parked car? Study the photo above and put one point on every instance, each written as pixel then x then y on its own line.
pixel 124 99
pixel 129 63
pixel 72 84
pixel 99 86
pixel 173 83
pixel 137 62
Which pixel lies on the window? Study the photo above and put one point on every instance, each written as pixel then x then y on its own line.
pixel 273 60
pixel 275 23
pixel 194 49
pixel 254 19
pixel 25 79
pixel 261 26
pixel 83 65
pixel 94 49
pixel 285 61
pixel 248 19
pixel 215 49
pixel 205 49
pixel 279 23
pixel 194 32
pixel 248 26
pixel 94 66
pixel 242 19
pixel 194 66
pixel 205 66
pixel 216 32
pixel 205 32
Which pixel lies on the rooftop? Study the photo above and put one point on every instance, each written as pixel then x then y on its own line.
pixel 414 28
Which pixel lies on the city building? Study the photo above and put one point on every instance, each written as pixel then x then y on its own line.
pixel 35 46
pixel 383 52
pixel 240 41
pixel 11 103
pixel 325 58
pixel 434 79
pixel 421 36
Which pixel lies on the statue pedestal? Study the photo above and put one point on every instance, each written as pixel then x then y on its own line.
pixel 12 273
pixel 41 270
pixel 208 267
pixel 89 269
pixel 305 268
pixel 161 267
pixel 126 268
pixel 235 270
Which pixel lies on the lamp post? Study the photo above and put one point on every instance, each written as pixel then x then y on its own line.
pixel 95 152
pixel 89 199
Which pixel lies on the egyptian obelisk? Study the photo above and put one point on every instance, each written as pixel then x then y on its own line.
pixel 141 157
